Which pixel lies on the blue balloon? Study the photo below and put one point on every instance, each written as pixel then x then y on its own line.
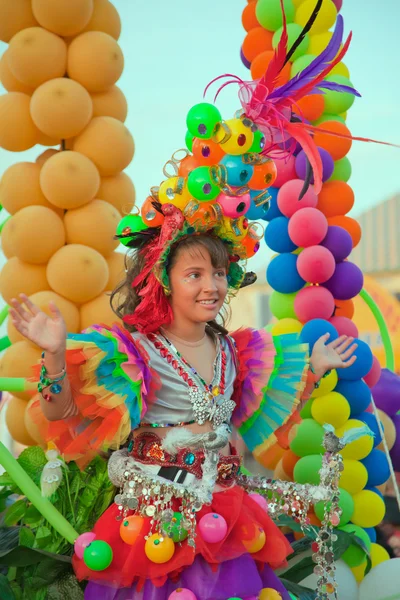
pixel 277 235
pixel 255 213
pixel 273 210
pixel 370 420
pixel 282 274
pixel 238 172
pixel 314 329
pixel 357 394
pixel 377 466
pixel 362 366
pixel 371 532
pixel 375 490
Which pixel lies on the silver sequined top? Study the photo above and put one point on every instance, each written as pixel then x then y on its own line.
pixel 175 401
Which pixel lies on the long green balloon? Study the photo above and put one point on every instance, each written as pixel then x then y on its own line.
pixel 32 492
pixel 16 384
pixel 387 343
pixel 4 314
pixel 5 342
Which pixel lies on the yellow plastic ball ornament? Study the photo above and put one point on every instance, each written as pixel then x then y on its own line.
pixel 159 548
pixel 235 229
pixel 257 542
pixel 332 408
pixel 325 19
pixel 174 191
pixel 326 385
pixel 269 594
pixel 369 509
pixel 287 325
pixel 354 476
pixel 358 449
pixel 240 138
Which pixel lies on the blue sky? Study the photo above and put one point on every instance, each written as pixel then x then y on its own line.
pixel 173 49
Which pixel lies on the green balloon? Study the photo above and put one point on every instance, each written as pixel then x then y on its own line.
pixel 355 555
pixel 307 469
pixel 98 555
pixel 328 117
pixel 201 185
pixel 308 439
pixel 174 529
pixel 130 224
pixel 202 120
pixel 269 13
pixel 305 412
pixel 341 170
pixel 189 140
pixel 338 102
pixel 293 31
pixel 258 142
pixel 282 305
pixel 346 503
pixel 301 63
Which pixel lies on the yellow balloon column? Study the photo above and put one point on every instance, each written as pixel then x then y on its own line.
pixel 60 70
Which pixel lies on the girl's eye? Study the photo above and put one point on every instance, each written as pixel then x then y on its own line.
pixel 221 274
pixel 194 275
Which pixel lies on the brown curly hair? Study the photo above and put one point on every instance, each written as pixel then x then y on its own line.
pixel 124 298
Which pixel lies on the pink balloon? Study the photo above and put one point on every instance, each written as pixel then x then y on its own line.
pixel 261 501
pixel 182 594
pixel 288 197
pixel 83 542
pixel 234 206
pixel 373 376
pixel 314 303
pixel 285 170
pixel 213 528
pixel 316 264
pixel 307 227
pixel 344 326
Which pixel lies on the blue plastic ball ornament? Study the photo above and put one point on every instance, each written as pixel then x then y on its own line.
pixel 238 173
pixel 256 213
pixel 357 394
pixel 370 420
pixel 282 274
pixel 316 328
pixel 377 466
pixel 362 365
pixel 273 212
pixel 371 532
pixel 277 237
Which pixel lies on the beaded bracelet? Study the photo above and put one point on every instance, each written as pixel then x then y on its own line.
pixel 317 383
pixel 46 381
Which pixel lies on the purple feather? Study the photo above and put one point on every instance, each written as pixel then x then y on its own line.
pixel 338 87
pixel 317 65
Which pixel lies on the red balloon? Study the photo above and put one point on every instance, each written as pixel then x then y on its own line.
pixel 374 375
pixel 307 227
pixel 314 303
pixel 316 264
pixel 288 197
pixel 344 326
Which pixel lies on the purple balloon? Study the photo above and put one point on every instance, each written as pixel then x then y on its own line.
pixel 338 4
pixel 346 282
pixel 327 165
pixel 338 241
pixel 395 451
pixel 246 63
pixel 386 392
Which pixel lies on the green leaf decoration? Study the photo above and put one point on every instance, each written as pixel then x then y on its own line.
pixel 9 539
pixel 26 537
pixel 15 512
pixel 301 592
pixel 32 460
pixel 6 592
pixel 21 556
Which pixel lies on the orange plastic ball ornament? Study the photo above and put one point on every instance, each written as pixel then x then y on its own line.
pixel 131 528
pixel 159 549
pixel 151 217
pixel 207 152
pixel 251 245
pixel 188 164
pixel 240 139
pixel 256 543
pixel 204 215
pixel 264 176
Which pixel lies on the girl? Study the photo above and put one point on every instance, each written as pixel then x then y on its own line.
pixel 168 385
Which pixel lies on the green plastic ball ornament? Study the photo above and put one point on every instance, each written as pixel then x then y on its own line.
pixel 174 528
pixel 258 144
pixel 202 120
pixel 189 141
pixel 201 185
pixel 98 555
pixel 128 225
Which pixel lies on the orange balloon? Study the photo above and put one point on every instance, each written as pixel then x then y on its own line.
pixel 20 187
pixel 69 180
pixel 207 152
pixel 38 233
pixel 9 82
pixel 310 107
pixel 104 18
pixel 93 225
pixel 18 361
pixel 256 41
pixel 77 273
pixel 97 310
pixel 187 165
pixel 15 421
pixel 36 55
pixel 118 191
pixel 14 16
pixel 18 277
pixel 263 176
pixel 335 198
pixel 111 103
pixel 131 528
pixel 344 308
pixel 95 60
pixel 116 270
pixel 260 64
pixel 270 457
pixel 64 17
pixel 350 225
pixel 249 19
pixel 61 108
pixel 289 460
pixel 280 473
pixel 31 426
pixel 17 130
pixel 45 140
pixel 7 239
pixel 151 217
pixel 108 143
pixel 337 146
pixel 44 157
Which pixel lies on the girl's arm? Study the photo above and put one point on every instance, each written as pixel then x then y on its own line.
pixel 62 405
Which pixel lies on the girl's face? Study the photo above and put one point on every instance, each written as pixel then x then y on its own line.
pixel 198 289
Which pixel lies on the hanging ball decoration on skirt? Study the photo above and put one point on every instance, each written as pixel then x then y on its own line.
pixel 182 594
pixel 83 542
pixel 131 528
pixel 213 528
pixel 98 555
pixel 257 542
pixel 174 529
pixel 159 548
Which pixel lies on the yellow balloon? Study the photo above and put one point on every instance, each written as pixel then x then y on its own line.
pixel 18 277
pixel 93 225
pixel 325 18
pixel 9 82
pixel 326 385
pixel 111 103
pixel 116 267
pixel 118 191
pixel 14 16
pixel 38 233
pixel 340 69
pixel 240 140
pixel 369 509
pixel 105 18
pixel 378 554
pixel 18 132
pixel 360 448
pixel 319 42
pixel 97 311
pixel 389 429
pixel 269 594
pixel 17 361
pixel 359 572
pixel 332 408
pixel 287 326
pixel 64 17
pixel 354 477
pixel 16 423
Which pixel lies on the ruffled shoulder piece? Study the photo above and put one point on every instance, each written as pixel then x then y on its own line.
pixel 111 384
pixel 270 382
